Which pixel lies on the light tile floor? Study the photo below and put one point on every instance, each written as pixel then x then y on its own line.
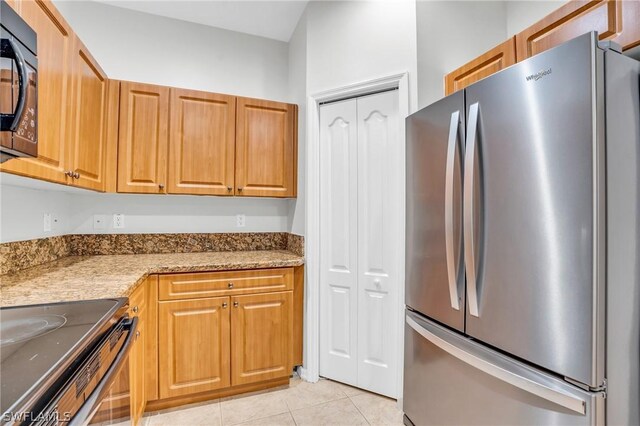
pixel 302 403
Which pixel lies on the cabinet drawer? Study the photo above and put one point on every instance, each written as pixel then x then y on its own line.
pixel 211 284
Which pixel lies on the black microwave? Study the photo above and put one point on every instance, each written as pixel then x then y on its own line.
pixel 18 86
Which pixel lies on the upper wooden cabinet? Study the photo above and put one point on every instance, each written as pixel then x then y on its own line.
pixel 114 136
pixel 496 59
pixel 55 67
pixel 266 149
pixel 87 136
pixel 615 20
pixel 143 138
pixel 179 141
pixel 201 143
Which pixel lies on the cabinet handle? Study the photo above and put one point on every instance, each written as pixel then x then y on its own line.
pixel 68 173
pixel 239 189
pixel 224 305
pixel 135 309
pixel 230 285
pixel 137 334
pixel 236 304
pixel 229 188
pixel 161 185
pixel 76 175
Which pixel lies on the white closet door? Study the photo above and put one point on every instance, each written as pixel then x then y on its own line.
pixel 379 240
pixel 338 241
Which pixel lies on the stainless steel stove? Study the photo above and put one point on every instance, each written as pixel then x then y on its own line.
pixel 58 361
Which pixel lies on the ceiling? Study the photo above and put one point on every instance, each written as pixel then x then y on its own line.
pixel 272 19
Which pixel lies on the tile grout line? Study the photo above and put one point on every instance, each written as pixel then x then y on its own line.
pixel 361 413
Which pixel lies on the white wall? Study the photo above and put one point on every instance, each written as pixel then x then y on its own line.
pixel 524 13
pixel 353 41
pixel 451 33
pixel 22 212
pixel 131 45
pixel 297 94
pixel 23 203
pixel 177 213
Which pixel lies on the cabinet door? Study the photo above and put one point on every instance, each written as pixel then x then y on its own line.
pixel 88 122
pixel 137 366
pixel 266 148
pixel 55 43
pixel 143 138
pixel 194 342
pixel 615 20
pixel 261 337
pixel 202 142
pixel 496 59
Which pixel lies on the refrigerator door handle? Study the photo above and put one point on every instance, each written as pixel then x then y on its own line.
pixel 468 210
pixel 452 266
pixel 555 396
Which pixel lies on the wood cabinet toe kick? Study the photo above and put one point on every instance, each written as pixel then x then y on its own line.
pixel 208 335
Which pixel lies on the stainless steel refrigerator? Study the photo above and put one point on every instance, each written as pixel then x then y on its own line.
pixel 523 237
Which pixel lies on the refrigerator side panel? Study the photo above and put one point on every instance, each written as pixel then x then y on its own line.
pixel 434 267
pixel 451 380
pixel 623 238
pixel 533 282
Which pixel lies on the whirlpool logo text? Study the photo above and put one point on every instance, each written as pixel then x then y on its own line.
pixel 537 76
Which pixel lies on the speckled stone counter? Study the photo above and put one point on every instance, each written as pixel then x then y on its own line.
pixel 97 277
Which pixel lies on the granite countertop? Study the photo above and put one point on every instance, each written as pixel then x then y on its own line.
pixel 108 276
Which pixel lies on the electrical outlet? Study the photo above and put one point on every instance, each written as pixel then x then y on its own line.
pixel 240 220
pixel 99 221
pixel 118 221
pixel 47 222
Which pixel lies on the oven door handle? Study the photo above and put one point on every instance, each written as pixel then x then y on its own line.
pixel 88 409
pixel 9 49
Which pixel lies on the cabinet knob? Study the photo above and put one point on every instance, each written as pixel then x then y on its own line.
pixel 68 173
pixel 239 189
pixel 76 175
pixel 224 305
pixel 161 185
pixel 236 304
pixel 137 334
pixel 230 285
pixel 229 188
pixel 135 309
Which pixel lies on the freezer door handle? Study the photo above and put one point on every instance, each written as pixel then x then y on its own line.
pixel 452 258
pixel 468 210
pixel 555 396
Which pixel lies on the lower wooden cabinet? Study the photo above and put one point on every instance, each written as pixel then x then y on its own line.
pixel 261 337
pixel 195 345
pixel 217 341
pixel 137 358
